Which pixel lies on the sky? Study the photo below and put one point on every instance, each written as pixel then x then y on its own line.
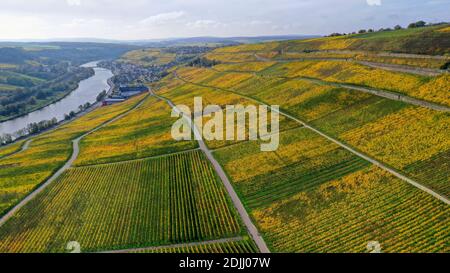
pixel 155 19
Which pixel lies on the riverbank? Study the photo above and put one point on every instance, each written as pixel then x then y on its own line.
pixel 50 102
pixel 92 86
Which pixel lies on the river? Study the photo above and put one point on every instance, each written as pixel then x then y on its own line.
pixel 87 91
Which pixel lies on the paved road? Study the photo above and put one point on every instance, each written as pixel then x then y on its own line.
pixel 225 240
pixel 364 156
pixel 67 165
pixel 234 197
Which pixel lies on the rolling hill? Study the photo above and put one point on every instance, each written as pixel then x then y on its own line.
pixel 364 155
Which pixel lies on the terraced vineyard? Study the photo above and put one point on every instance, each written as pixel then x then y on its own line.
pixel 332 201
pixel 312 195
pixel 353 166
pixel 24 171
pixel 390 131
pixel 142 133
pixel 343 215
pixel 163 201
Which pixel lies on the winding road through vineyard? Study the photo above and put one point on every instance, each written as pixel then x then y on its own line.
pixel 218 168
pixel 366 157
pixel 67 165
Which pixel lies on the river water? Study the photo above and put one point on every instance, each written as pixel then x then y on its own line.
pixel 86 92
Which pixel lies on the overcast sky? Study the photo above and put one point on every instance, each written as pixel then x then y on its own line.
pixel 147 19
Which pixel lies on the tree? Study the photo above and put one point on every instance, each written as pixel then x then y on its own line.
pixel 101 96
pixel 417 24
pixel 398 27
pixel 362 31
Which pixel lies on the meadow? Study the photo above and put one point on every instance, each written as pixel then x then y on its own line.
pixel 142 203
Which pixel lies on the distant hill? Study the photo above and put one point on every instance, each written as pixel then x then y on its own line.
pixel 208 40
pixel 224 40
pixel 76 53
pixel 432 40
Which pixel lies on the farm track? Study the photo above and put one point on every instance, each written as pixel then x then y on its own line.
pixel 350 149
pixel 138 159
pixel 384 94
pixel 24 147
pixel 225 240
pixel 257 238
pixel 67 165
pixel 377 92
pixel 390 67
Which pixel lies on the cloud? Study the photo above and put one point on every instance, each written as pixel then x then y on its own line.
pixel 81 22
pixel 260 22
pixel 74 2
pixel 374 2
pixel 205 24
pixel 162 18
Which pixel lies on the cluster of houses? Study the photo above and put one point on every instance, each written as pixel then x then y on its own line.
pixel 124 93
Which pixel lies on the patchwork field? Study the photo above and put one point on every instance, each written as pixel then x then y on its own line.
pixel 24 171
pixel 133 188
pixel 144 132
pixel 163 201
pixel 312 196
pixel 149 57
pixel 392 132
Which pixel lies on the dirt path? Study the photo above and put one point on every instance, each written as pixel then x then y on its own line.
pixel 341 144
pixel 140 159
pixel 152 248
pixel 385 94
pixel 218 168
pixel 391 67
pixel 404 69
pixel 381 93
pixel 67 165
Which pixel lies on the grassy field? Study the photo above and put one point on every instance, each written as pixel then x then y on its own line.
pixel 24 171
pixel 142 203
pixel 142 133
